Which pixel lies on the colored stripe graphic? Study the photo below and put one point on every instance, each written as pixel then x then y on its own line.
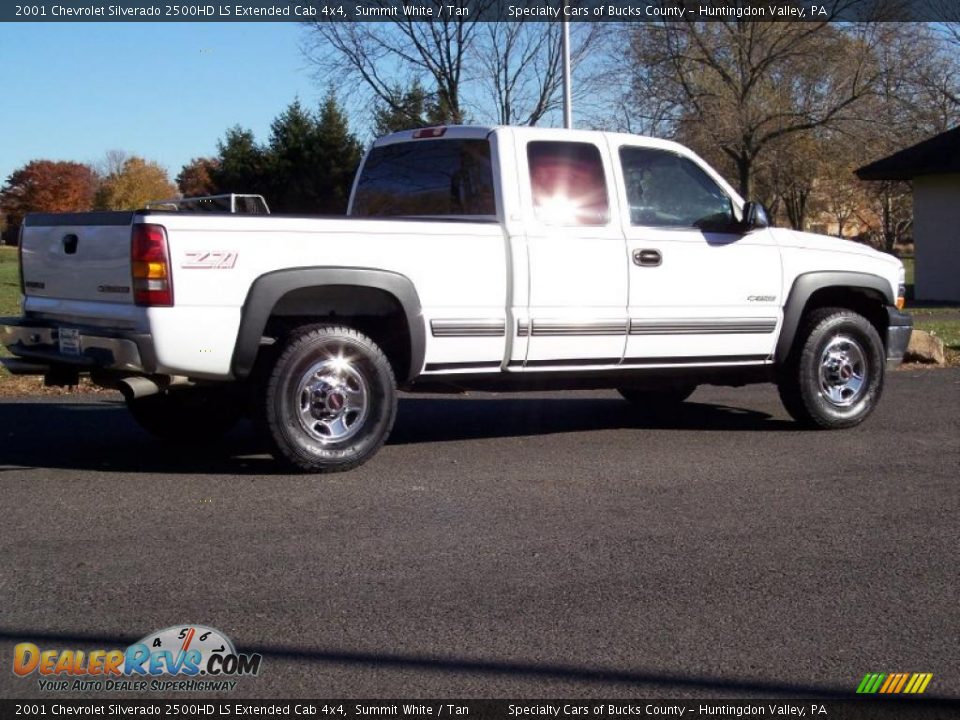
pixel 894 683
pixel 903 680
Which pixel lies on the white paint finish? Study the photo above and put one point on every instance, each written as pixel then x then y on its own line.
pixel 102 259
pixel 522 268
pixel 194 341
pixel 701 275
pixel 805 252
pixel 577 272
pixel 463 349
pixel 936 230
pixel 458 269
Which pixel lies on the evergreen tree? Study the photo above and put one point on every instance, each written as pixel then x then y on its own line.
pixel 408 109
pixel 293 161
pixel 338 157
pixel 306 166
pixel 240 164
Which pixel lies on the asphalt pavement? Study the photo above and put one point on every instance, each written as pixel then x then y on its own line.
pixel 537 545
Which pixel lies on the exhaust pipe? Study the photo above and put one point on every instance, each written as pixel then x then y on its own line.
pixel 136 387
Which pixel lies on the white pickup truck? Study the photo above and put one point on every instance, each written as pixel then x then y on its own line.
pixel 471 258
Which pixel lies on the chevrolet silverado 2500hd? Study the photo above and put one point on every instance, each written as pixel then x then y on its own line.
pixel 493 258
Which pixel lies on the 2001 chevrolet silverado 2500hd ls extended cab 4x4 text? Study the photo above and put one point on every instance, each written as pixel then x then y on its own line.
pixel 492 258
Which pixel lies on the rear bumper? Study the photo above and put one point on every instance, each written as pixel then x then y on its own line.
pixel 899 329
pixel 37 347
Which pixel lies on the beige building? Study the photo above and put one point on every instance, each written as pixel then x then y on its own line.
pixel 933 166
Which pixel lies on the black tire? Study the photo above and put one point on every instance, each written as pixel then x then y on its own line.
pixel 188 416
pixel 834 375
pixel 657 399
pixel 329 400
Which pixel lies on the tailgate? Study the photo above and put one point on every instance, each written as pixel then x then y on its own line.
pixel 78 256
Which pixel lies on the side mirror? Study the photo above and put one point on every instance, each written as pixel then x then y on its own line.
pixel 755 216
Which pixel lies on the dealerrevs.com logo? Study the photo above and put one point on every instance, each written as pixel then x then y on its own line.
pixel 187 658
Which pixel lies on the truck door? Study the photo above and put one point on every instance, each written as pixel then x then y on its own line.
pixel 701 290
pixel 576 309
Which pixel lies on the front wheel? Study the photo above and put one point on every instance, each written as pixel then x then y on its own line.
pixel 835 377
pixel 329 400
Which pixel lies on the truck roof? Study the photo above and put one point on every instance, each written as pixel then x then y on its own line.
pixel 480 132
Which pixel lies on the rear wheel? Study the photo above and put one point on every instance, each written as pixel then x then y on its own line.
pixel 834 377
pixel 329 401
pixel 655 399
pixel 188 415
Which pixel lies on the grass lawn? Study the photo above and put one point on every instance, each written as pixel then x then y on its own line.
pixel 944 322
pixel 9 291
pixel 9 282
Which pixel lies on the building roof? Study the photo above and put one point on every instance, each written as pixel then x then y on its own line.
pixel 935 156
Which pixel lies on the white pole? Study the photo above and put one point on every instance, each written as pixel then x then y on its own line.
pixel 567 84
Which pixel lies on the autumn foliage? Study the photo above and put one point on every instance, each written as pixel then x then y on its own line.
pixel 46 186
pixel 132 184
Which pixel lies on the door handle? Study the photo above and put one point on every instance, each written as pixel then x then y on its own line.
pixel 647 258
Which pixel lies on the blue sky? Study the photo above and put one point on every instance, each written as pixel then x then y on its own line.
pixel 166 91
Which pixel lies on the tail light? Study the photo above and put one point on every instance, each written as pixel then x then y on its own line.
pixel 430 132
pixel 150 263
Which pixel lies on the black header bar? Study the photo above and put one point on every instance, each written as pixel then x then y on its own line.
pixel 632 11
pixel 583 709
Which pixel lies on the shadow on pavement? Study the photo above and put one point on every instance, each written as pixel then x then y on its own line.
pixel 723 686
pixel 100 435
pixel 513 669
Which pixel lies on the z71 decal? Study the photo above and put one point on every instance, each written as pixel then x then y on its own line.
pixel 209 260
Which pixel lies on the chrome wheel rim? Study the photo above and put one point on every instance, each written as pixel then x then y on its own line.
pixel 333 399
pixel 843 371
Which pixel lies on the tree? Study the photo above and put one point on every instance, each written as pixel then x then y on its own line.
pixel 408 109
pixel 293 156
pixel 196 177
pixel 45 186
pixel 915 97
pixel 522 70
pixel 306 165
pixel 386 55
pixel 241 164
pixel 512 67
pixel 742 86
pixel 338 155
pixel 131 186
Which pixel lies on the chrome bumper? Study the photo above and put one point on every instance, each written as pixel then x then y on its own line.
pixel 37 346
pixel 899 329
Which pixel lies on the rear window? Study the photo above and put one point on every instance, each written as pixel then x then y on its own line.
pixel 427 178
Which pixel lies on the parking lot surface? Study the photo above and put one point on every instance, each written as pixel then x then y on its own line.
pixel 541 545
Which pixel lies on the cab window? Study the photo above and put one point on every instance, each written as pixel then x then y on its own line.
pixel 567 183
pixel 668 190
